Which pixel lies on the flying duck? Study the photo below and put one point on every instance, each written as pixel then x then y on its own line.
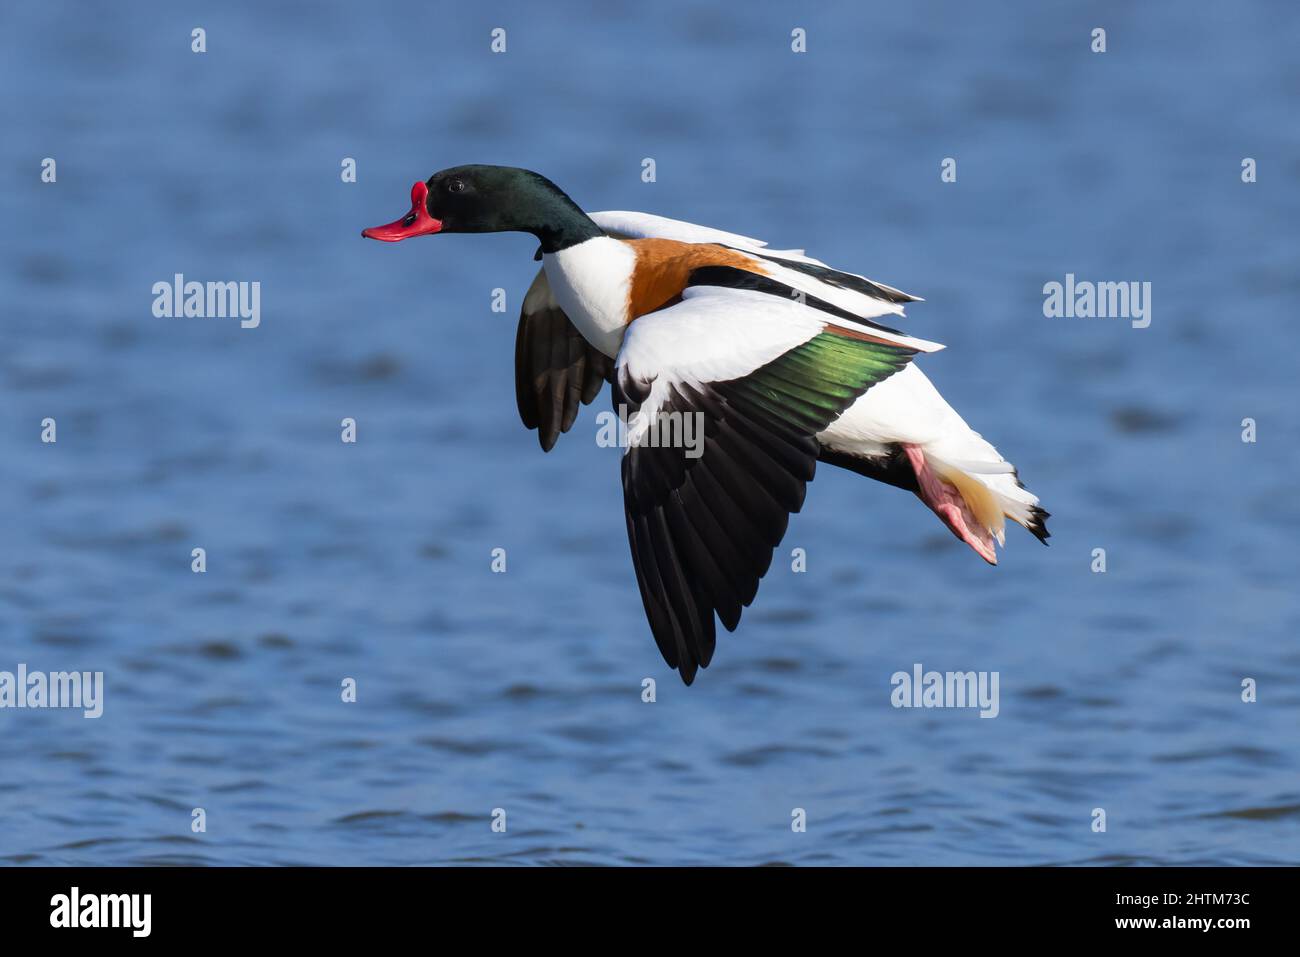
pixel 782 359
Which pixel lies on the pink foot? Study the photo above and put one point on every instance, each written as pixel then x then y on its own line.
pixel 948 504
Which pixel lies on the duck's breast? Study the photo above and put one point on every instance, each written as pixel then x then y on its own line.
pixel 591 282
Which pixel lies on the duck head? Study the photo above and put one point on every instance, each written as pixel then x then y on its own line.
pixel 490 199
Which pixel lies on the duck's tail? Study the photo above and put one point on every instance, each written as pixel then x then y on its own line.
pixel 903 432
pixel 974 490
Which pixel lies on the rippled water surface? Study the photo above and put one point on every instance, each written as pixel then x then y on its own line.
pixel 522 690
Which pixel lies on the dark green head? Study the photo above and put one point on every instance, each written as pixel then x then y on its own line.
pixel 491 199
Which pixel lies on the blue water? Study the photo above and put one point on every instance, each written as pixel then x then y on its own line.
pixel 522 690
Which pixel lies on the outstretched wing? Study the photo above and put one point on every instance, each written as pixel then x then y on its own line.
pixel 556 371
pixel 858 294
pixel 724 393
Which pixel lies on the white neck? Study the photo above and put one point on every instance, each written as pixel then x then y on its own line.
pixel 590 281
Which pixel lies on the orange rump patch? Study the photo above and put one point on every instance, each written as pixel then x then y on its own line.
pixel 664 265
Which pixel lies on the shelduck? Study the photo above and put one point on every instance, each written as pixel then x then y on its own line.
pixel 783 359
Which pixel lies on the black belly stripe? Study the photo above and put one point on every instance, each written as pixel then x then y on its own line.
pixel 892 468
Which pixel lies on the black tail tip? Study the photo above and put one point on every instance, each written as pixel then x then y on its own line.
pixel 1038 523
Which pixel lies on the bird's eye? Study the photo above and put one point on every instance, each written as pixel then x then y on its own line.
pixel 456 186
